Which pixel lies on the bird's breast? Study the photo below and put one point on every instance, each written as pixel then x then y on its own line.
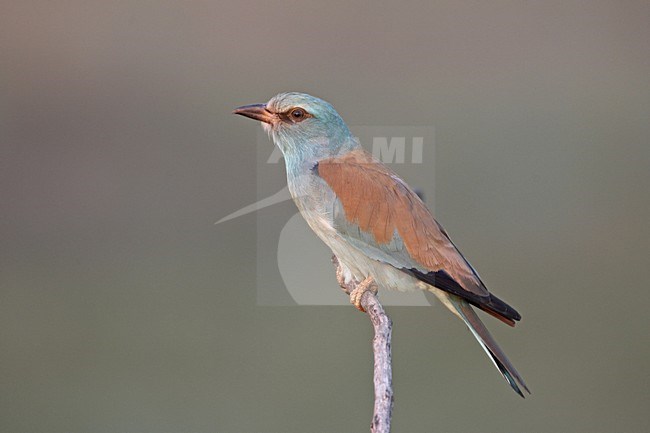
pixel 314 200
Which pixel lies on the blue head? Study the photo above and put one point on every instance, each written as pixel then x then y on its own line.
pixel 302 126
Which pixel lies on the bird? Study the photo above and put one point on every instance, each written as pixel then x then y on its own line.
pixel 381 232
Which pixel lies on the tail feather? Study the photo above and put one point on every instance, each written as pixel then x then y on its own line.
pixel 491 347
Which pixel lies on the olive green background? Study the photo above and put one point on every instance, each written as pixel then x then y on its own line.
pixel 123 308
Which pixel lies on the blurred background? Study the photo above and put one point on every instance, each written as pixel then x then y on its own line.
pixel 123 308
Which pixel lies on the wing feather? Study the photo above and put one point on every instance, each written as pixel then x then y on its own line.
pixel 382 206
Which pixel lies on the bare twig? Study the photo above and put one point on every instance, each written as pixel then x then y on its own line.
pixel 382 350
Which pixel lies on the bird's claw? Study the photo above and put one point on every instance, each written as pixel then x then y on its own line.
pixel 352 288
pixel 367 285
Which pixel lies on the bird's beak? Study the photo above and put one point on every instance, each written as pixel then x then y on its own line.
pixel 255 111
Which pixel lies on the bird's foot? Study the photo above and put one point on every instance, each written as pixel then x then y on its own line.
pixel 346 286
pixel 340 278
pixel 367 285
pixel 352 288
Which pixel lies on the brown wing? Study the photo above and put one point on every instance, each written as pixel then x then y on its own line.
pixel 381 204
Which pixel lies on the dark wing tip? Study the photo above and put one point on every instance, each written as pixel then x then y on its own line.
pixel 490 304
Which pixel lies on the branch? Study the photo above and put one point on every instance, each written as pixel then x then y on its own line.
pixel 382 351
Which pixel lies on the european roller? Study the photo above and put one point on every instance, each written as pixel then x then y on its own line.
pixel 381 232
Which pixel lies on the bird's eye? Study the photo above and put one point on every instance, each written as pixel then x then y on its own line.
pixel 297 114
pixel 294 115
